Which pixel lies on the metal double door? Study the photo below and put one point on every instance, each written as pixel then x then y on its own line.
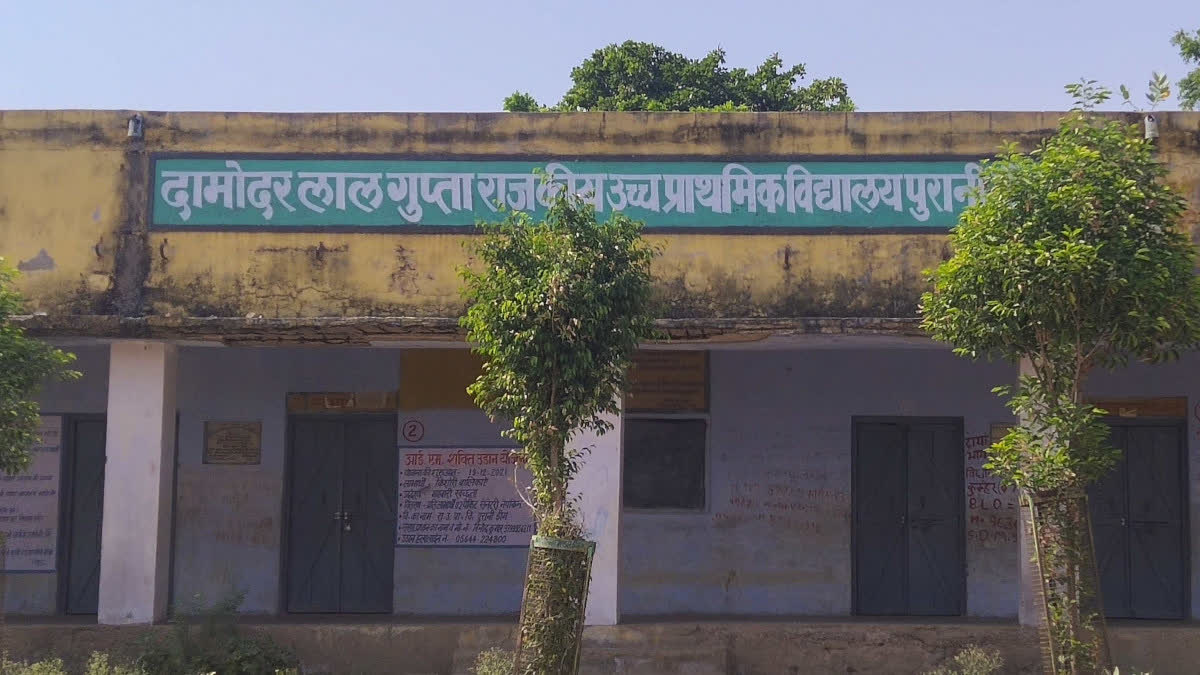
pixel 342 514
pixel 1138 522
pixel 908 530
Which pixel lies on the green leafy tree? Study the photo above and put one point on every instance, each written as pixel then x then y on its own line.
pixel 25 363
pixel 1072 261
pixel 556 312
pixel 520 101
pixel 556 309
pixel 1189 51
pixel 644 76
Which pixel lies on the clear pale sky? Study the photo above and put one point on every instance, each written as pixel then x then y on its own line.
pixel 467 55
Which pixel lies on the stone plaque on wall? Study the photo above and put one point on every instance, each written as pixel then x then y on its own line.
pixel 233 442
pixel 668 381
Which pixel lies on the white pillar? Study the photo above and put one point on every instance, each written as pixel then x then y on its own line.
pixel 1028 580
pixel 598 485
pixel 140 449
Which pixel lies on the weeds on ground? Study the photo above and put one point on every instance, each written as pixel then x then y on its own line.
pixel 98 664
pixel 205 639
pixel 494 661
pixel 972 660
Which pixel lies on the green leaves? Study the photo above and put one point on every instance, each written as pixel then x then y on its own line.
pixel 520 101
pixel 644 76
pixel 1073 260
pixel 24 364
pixel 1189 51
pixel 556 309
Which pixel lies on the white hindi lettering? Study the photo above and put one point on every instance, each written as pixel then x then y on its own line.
pixel 736 189
pixel 588 187
pixel 176 191
pixel 634 190
pixel 264 186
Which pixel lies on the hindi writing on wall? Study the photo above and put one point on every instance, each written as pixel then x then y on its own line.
pixel 248 191
pixel 462 497
pixel 29 504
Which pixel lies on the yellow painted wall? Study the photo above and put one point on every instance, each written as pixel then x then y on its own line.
pixel 60 212
pixel 73 185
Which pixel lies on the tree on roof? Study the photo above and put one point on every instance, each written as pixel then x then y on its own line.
pixel 645 76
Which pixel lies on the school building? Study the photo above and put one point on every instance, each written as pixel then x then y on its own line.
pixel 264 309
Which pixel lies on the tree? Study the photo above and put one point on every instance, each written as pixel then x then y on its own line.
pixel 644 76
pixel 1189 51
pixel 520 101
pixel 556 310
pixel 24 364
pixel 1072 261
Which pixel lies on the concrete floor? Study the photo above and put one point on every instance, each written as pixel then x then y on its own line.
pixel 346 645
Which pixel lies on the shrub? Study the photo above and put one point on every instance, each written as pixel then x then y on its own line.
pixel 205 639
pixel 973 661
pixel 494 661
pixel 98 664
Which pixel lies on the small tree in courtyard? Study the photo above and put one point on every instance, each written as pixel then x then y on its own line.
pixel 24 364
pixel 556 310
pixel 1072 261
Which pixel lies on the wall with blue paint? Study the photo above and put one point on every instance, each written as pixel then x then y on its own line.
pixel 228 525
pixel 37 593
pixel 1180 378
pixel 443 581
pixel 775 538
pixel 780 425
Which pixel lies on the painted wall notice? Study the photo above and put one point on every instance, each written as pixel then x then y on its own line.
pixel 29 505
pixel 462 497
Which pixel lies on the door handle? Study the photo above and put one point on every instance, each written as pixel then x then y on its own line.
pixel 346 521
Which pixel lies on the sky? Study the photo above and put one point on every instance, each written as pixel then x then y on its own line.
pixel 467 55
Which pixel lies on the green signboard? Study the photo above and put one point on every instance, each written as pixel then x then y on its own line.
pixel 254 192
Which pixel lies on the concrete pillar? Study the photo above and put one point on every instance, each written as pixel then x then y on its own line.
pixel 598 486
pixel 140 448
pixel 1028 581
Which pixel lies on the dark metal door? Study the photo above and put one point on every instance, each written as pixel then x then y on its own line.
pixel 314 532
pixel 84 516
pixel 880 550
pixel 342 519
pixel 935 520
pixel 908 518
pixel 1107 502
pixel 1138 524
pixel 369 516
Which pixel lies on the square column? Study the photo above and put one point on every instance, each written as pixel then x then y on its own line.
pixel 140 450
pixel 1028 580
pixel 598 486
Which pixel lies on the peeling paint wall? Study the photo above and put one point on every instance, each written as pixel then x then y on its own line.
pixel 229 520
pixel 781 435
pixel 228 525
pixel 73 210
pixel 60 211
pixel 780 422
